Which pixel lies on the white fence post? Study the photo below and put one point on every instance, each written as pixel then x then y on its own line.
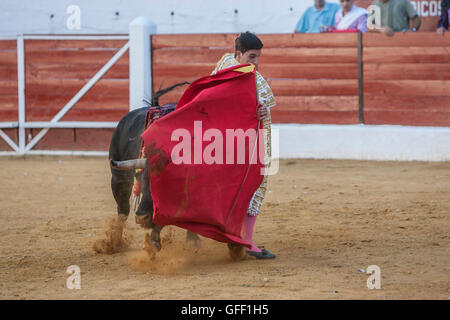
pixel 21 92
pixel 140 61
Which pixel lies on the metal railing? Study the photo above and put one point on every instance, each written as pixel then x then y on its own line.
pixel 22 147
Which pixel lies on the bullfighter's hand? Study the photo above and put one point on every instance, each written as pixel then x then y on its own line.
pixel 262 112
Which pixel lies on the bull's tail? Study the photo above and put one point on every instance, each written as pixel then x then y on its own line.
pixel 161 92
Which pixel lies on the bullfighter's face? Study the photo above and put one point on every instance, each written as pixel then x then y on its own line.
pixel 250 56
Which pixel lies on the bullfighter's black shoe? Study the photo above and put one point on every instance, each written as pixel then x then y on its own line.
pixel 264 254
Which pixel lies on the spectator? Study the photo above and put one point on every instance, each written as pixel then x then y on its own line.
pixel 395 16
pixel 317 17
pixel 443 23
pixel 350 17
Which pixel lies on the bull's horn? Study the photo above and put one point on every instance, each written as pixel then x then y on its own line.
pixel 129 164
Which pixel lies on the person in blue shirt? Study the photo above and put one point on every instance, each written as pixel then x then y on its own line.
pixel 317 17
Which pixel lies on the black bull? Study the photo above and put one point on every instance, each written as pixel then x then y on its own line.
pixel 124 151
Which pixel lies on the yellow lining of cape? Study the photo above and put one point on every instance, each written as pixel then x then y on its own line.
pixel 246 69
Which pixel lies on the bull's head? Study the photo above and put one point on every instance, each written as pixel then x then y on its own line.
pixel 145 208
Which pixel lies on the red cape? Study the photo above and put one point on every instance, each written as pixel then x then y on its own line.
pixel 207 199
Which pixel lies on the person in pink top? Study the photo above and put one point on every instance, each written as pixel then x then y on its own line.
pixel 349 18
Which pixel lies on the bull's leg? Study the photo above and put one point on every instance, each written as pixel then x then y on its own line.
pixel 236 251
pixel 144 212
pixel 144 220
pixel 155 236
pixel 144 217
pixel 149 247
pixel 193 239
pixel 121 185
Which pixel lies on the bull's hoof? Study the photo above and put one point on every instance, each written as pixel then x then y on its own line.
pixel 194 243
pixel 157 244
pixel 193 240
pixel 122 217
pixel 145 221
pixel 156 239
pixel 236 251
pixel 149 247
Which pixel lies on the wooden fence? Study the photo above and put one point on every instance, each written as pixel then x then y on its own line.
pixel 407 79
pixel 8 88
pixel 342 78
pixel 314 77
pixel 55 70
pixel 404 80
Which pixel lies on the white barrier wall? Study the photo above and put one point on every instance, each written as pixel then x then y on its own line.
pixel 171 16
pixel 362 142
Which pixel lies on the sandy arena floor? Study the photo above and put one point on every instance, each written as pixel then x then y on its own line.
pixel 325 220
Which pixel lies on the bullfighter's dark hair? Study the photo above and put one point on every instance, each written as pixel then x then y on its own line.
pixel 247 41
pixel 445 4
